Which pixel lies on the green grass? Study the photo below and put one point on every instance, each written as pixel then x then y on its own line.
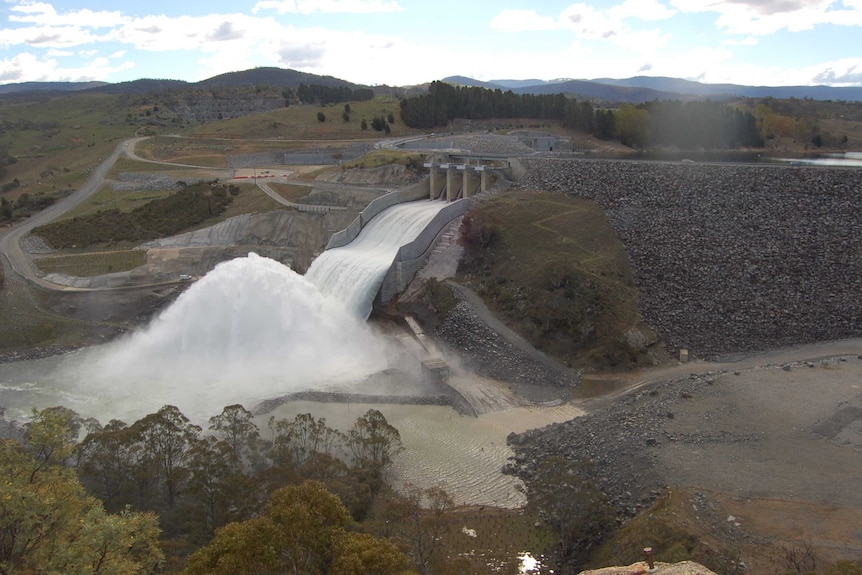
pixel 92 264
pixel 559 275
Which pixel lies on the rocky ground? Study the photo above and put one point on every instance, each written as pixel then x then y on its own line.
pixel 730 258
pixel 772 445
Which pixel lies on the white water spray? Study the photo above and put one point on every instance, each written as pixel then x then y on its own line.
pixel 249 330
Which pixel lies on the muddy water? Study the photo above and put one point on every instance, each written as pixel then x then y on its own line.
pixel 462 454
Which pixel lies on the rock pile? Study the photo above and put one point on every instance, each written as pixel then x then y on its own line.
pixel 493 356
pixel 619 440
pixel 728 257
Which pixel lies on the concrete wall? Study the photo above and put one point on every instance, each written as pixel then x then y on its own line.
pixel 412 257
pixel 415 192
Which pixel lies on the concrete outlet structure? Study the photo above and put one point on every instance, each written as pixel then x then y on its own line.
pixel 475 179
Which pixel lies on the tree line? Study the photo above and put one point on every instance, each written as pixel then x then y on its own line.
pixel 324 95
pixel 293 492
pixel 685 125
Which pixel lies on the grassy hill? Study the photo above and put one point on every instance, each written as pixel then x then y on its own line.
pixel 554 269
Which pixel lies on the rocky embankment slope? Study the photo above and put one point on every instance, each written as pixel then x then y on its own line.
pixel 730 258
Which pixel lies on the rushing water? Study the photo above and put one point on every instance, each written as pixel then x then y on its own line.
pixel 248 330
pixel 353 273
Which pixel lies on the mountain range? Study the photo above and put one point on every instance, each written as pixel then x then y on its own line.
pixel 630 90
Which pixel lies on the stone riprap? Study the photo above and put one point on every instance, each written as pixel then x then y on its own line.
pixel 488 353
pixel 730 258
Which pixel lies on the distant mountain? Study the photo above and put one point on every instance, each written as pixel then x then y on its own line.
pixel 645 88
pixel 280 77
pixel 679 86
pixel 273 77
pixel 515 84
pixel 142 86
pixel 597 91
pixel 470 82
pixel 48 87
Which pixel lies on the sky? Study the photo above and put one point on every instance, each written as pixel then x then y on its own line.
pixel 407 42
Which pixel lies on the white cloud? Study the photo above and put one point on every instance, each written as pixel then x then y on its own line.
pixel 521 21
pixel 763 17
pixel 27 67
pixel 642 10
pixel 844 72
pixel 44 14
pixel 590 23
pixel 328 6
pixel 46 36
pixel 747 41
pixel 207 33
pixel 642 42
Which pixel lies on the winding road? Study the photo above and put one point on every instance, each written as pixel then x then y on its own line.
pixel 15 261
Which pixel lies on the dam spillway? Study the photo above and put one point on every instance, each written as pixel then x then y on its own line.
pixel 353 273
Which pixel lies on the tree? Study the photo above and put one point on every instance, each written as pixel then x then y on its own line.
pixel 52 434
pixel 301 530
pixel 236 426
pixel 49 525
pixel 373 442
pixel 362 554
pixel 422 512
pixel 363 125
pixel 166 437
pixel 220 491
pixel 321 117
pixel 632 126
pixel 106 463
pixel 378 123
pixel 295 441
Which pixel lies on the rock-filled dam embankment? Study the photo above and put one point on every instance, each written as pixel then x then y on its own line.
pixel 730 258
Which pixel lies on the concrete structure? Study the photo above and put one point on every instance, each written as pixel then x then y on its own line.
pixel 415 192
pixel 475 179
pixel 411 257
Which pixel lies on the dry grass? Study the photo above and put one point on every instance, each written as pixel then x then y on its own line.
pixel 560 276
pixel 502 535
pixel 92 264
pixel 300 123
pixel 291 192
